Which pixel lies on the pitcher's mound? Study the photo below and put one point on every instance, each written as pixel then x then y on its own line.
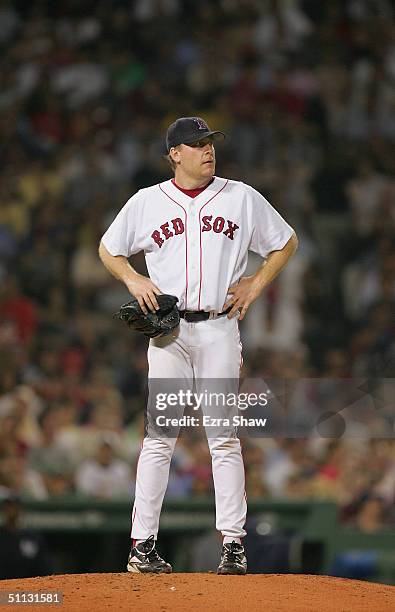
pixel 202 592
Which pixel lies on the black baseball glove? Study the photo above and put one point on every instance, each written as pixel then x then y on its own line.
pixel 154 324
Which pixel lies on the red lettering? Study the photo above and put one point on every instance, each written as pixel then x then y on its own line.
pixel 232 227
pixel 206 223
pixel 156 236
pixel 218 225
pixel 166 232
pixel 178 226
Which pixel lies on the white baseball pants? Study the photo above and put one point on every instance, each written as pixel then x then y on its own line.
pixel 205 350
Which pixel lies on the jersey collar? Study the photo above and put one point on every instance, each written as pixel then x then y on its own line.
pixel 203 197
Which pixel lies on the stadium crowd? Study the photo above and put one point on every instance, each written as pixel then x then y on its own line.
pixel 305 91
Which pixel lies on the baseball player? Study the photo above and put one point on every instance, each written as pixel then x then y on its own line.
pixel 195 230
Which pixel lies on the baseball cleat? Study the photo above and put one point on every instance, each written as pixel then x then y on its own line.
pixel 233 559
pixel 144 559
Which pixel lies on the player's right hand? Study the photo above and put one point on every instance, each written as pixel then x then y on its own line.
pixel 144 290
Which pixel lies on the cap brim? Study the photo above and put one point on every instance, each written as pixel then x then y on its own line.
pixel 204 135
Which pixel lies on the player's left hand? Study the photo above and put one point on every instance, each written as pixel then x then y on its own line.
pixel 243 294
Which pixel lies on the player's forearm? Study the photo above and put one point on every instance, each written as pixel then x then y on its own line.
pixel 118 265
pixel 143 289
pixel 275 262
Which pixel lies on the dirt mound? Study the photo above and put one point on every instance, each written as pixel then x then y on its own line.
pixel 195 592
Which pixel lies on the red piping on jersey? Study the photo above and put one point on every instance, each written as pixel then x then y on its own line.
pixel 200 226
pixel 244 469
pixel 186 244
pixel 135 474
pixel 133 517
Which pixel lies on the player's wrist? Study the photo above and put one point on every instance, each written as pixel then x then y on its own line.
pixel 258 280
pixel 130 278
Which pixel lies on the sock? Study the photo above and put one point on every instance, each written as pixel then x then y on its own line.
pixel 229 539
pixel 135 542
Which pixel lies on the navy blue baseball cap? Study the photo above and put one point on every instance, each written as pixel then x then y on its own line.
pixel 188 130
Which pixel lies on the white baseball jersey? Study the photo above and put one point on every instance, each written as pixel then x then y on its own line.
pixel 196 248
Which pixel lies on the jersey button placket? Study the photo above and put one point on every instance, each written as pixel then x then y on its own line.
pixel 193 257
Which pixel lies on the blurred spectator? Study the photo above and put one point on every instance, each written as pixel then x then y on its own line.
pixel 366 193
pixel 17 476
pixel 370 517
pixel 104 476
pixel 50 460
pixel 200 469
pixel 18 310
pixel 23 553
